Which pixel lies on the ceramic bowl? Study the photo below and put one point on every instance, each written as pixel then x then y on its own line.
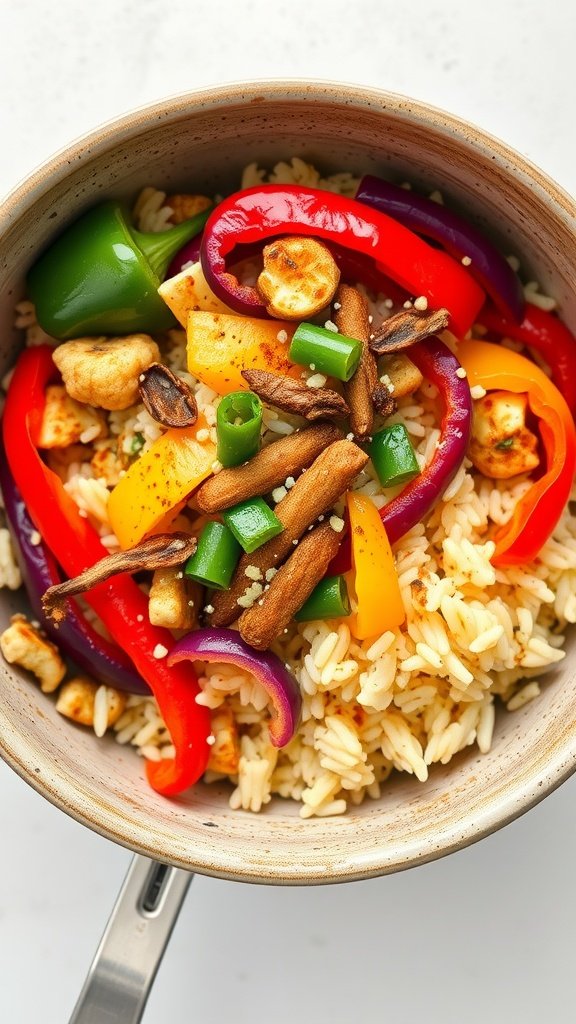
pixel 204 139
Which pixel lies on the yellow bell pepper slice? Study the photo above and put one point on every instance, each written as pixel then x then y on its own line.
pixel 373 578
pixel 189 291
pixel 220 346
pixel 155 486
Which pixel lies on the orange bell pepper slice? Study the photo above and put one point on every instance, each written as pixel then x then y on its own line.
pixel 495 368
pixel 156 485
pixel 373 576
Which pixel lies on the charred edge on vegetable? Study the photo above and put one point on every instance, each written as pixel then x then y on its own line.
pixel 406 328
pixel 292 397
pixel 168 399
pixel 162 551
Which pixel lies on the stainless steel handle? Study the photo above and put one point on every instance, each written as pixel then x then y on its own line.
pixel 133 944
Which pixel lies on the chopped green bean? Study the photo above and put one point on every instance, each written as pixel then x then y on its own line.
pixel 393 456
pixel 328 600
pixel 215 559
pixel 238 427
pixel 326 351
pixel 252 522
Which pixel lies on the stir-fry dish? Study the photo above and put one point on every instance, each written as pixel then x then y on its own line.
pixel 288 478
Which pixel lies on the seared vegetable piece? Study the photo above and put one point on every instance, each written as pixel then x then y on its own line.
pixel 393 456
pixel 157 552
pixel 215 558
pixel 238 427
pixel 253 523
pixel 156 485
pixel 104 371
pixel 296 398
pixel 168 399
pixel 352 321
pixel 299 277
pixel 374 578
pixel 65 421
pixel 221 346
pixel 188 292
pixel 274 465
pixel 326 351
pixel 101 275
pixel 328 600
pixel 407 327
pixel 501 445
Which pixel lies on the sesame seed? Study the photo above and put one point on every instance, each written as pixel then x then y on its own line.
pixel 337 524
pixel 331 326
pixel 203 435
pixel 139 618
pixel 208 608
pixel 142 378
pixel 270 574
pixel 210 740
pixel 278 493
pixel 337 305
pixel 295 542
pixel 350 436
pixel 160 651
pixel 83 513
pixel 370 319
pixel 388 303
pixel 216 466
pixel 289 482
pixel 421 303
pixel 253 572
pixel 179 575
pixel 282 336
pixel 35 538
pixel 461 372
pixel 318 380
pixel 407 304
pixel 466 260
pixel 321 519
pixel 190 604
pixel 312 366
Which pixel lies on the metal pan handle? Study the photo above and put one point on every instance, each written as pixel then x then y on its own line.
pixel 133 944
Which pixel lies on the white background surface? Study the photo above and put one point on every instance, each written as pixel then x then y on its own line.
pixel 483 936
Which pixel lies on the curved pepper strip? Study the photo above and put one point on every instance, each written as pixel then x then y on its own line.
pixel 120 604
pixel 374 577
pixel 267 211
pixel 439 365
pixel 546 334
pixel 537 513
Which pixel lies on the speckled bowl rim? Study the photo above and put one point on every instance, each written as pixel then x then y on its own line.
pixel 559 764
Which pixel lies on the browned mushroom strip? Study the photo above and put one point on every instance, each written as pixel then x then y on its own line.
pixel 267 470
pixel 291 396
pixel 168 399
pixel 293 583
pixel 313 494
pixel 352 320
pixel 406 328
pixel 158 552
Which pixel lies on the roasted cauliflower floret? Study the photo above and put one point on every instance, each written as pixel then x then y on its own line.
pixel 104 371
pixel 501 445
pixel 184 206
pixel 77 700
pixel 225 753
pixel 168 600
pixel 23 644
pixel 300 277
pixel 66 422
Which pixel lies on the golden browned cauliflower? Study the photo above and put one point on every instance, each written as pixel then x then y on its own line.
pixel 77 698
pixel 23 644
pixel 104 371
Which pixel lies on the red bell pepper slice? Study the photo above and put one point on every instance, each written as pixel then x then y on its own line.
pixel 271 210
pixel 546 334
pixel 120 604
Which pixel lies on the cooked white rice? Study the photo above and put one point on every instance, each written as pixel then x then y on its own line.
pixel 404 700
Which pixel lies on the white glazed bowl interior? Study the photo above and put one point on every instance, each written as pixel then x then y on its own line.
pixel 201 141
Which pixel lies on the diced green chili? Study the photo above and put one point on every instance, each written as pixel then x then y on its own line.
pixel 252 522
pixel 326 351
pixel 393 456
pixel 505 444
pixel 328 600
pixel 215 559
pixel 238 427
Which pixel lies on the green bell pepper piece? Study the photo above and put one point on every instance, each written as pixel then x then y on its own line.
pixel 101 276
